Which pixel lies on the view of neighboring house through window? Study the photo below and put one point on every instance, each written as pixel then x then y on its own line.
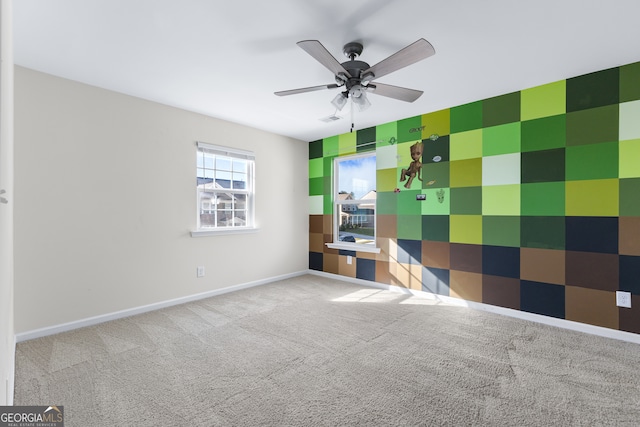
pixel 225 187
pixel 355 199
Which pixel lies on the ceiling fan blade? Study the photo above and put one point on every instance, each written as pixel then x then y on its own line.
pixel 411 54
pixel 322 55
pixel 395 92
pixel 306 89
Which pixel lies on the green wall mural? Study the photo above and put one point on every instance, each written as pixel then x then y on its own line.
pixel 532 200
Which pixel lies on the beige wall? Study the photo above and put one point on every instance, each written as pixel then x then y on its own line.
pixel 105 200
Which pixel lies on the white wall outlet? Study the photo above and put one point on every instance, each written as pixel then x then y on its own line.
pixel 200 271
pixel 349 259
pixel 623 299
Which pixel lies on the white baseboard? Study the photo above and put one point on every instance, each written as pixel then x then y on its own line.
pixel 90 321
pixel 538 318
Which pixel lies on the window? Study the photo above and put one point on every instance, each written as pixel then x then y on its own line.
pixel 225 186
pixel 354 200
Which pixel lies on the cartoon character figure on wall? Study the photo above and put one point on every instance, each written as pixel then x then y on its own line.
pixel 414 169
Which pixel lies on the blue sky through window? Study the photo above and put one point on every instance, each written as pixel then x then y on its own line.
pixel 357 175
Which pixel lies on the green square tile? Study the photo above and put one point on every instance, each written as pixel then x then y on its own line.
pixel 366 139
pixel 466 117
pixel 387 134
pixel 407 203
pixel 501 200
pixel 593 161
pixel 465 145
pixel 545 232
pixel 316 206
pixel 327 205
pixel 629 123
pixel 501 231
pixel 438 172
pixel 435 228
pixel 501 109
pixel 386 180
pixel 437 201
pixel 593 90
pixel 542 199
pixel 316 186
pixel 630 197
pixel 436 151
pixel 327 166
pixel 629 158
pixel 592 197
pixel 436 123
pixel 316 167
pixel 629 78
pixel 330 146
pixel 387 157
pixel 327 184
pixel 347 143
pixel 543 166
pixel 543 101
pixel 315 149
pixel 465 173
pixel 410 227
pixel 466 229
pixel 544 134
pixel 502 139
pixel 503 169
pixel 387 203
pixel 592 126
pixel 466 201
pixel 410 129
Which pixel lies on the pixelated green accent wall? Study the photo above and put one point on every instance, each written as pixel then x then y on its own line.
pixel 532 200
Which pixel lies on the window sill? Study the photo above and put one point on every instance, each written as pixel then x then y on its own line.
pixel 223 232
pixel 353 247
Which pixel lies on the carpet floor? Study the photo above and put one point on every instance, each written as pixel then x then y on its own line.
pixel 313 351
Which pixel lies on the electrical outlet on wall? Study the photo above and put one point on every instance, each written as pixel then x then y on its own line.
pixel 623 299
pixel 200 271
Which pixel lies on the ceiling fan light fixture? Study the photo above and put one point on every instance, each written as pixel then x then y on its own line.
pixel 366 78
pixel 341 79
pixel 339 101
pixel 362 102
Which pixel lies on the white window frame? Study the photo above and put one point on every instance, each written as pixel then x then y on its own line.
pixel 337 243
pixel 249 192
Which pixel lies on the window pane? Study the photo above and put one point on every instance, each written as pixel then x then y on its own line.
pixel 239 166
pixel 240 201
pixel 357 176
pixel 223 163
pixel 223 179
pixel 239 181
pixel 200 160
pixel 208 161
pixel 207 209
pixel 357 222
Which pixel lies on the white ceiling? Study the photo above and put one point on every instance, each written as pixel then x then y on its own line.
pixel 226 58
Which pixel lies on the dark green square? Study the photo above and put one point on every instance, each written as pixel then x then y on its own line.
pixel 466 117
pixel 315 149
pixel 501 231
pixel 316 186
pixel 630 197
pixel 543 134
pixel 435 227
pixel 327 166
pixel 543 199
pixel 466 201
pixel 593 126
pixel 327 184
pixel 593 161
pixel 366 139
pixel 593 90
pixel 438 172
pixel 545 232
pixel 439 148
pixel 630 82
pixel 501 109
pixel 410 129
pixel 387 203
pixel 542 166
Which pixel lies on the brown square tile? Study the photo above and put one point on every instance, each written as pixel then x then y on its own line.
pixel 630 317
pixel 629 238
pixel 327 224
pixel 382 272
pixel 592 270
pixel 387 226
pixel 367 255
pixel 330 263
pixel 345 269
pixel 466 257
pixel 315 223
pixel 542 265
pixel 388 249
pixel 466 285
pixel 501 291
pixel 408 275
pixel 316 242
pixel 592 306
pixel 436 254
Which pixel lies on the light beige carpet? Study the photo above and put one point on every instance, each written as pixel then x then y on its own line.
pixel 312 351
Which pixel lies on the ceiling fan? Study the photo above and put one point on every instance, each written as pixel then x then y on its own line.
pixel 357 77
